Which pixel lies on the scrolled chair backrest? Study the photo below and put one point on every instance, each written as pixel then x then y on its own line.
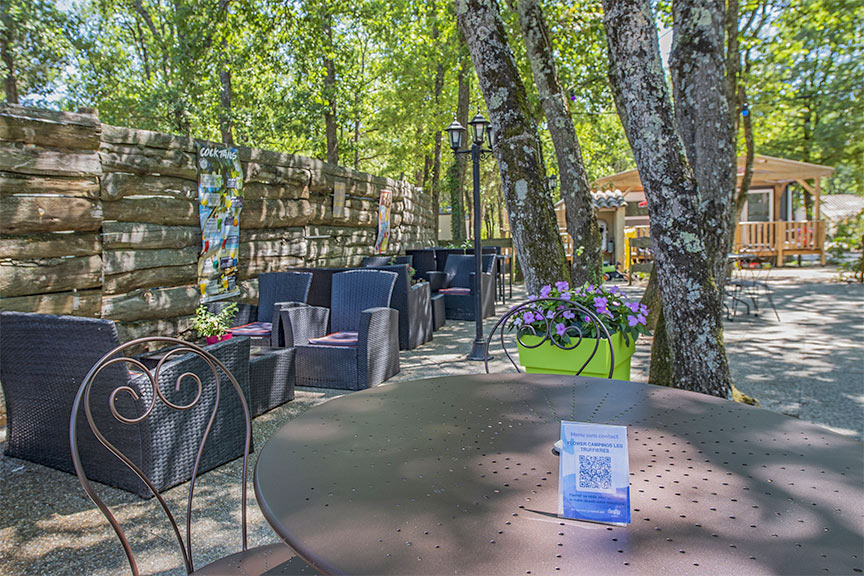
pixel 151 377
pixel 579 325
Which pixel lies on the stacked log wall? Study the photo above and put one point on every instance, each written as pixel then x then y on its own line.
pixel 101 220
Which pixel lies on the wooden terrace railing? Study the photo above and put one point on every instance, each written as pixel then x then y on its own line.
pixel 781 238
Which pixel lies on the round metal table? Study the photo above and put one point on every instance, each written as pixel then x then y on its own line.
pixel 456 475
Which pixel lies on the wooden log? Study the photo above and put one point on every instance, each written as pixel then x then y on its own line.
pixel 290 235
pixel 165 276
pixel 22 277
pixel 120 135
pixel 50 245
pixel 167 211
pixel 49 128
pixel 178 327
pixel 254 265
pixel 173 162
pixel 147 236
pixel 23 159
pixel 31 214
pixel 297 178
pixel 118 261
pixel 11 183
pixel 117 185
pixel 269 213
pixel 259 190
pixel 151 303
pixel 75 303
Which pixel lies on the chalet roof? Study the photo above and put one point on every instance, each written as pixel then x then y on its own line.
pixel 602 199
pixel 767 171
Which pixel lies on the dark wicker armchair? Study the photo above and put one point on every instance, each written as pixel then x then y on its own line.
pixel 45 358
pixel 276 290
pixel 456 282
pixel 362 349
pixel 413 302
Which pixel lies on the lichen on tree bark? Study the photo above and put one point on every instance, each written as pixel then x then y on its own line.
pixel 575 190
pixel 692 308
pixel 517 147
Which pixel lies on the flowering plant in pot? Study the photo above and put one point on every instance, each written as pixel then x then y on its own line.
pixel 556 335
pixel 214 327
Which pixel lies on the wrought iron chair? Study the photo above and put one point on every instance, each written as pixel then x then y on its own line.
pixel 188 396
pixel 587 329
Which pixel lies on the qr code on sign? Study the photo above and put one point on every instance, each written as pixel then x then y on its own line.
pixel 595 472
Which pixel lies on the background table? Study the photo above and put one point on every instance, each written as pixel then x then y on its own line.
pixel 456 475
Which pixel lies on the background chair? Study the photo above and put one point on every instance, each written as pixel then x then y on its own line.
pixel 586 335
pixel 200 405
pixel 456 282
pixel 423 261
pixel 362 349
pixel 45 358
pixel 276 290
pixel 375 261
pixel 413 302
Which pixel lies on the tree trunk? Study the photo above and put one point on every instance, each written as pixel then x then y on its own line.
pixel 692 308
pixel 10 82
pixel 456 180
pixel 575 190
pixel 437 87
pixel 330 127
pixel 226 123
pixel 517 149
pixel 698 66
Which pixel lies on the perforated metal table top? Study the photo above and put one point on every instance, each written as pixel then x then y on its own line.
pixel 456 475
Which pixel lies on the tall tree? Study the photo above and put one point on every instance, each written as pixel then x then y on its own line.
pixel 575 190
pixel 517 146
pixel 33 47
pixel 692 306
pixel 456 172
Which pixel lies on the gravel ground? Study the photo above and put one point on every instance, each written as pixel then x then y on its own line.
pixel 809 366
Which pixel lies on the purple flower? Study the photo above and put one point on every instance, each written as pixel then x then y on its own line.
pixel 643 309
pixel 545 291
pixel 601 302
pixel 562 286
pixel 568 315
pixel 528 317
pixel 590 289
pixel 532 297
pixel 588 319
pixel 517 322
pixel 560 329
pixel 641 318
pixel 633 306
pixel 550 314
pixel 632 320
pixel 565 295
pixel 614 290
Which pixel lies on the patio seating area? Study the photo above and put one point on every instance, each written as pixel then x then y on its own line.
pixel 807 366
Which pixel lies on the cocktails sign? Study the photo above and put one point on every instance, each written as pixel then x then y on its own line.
pixel 220 200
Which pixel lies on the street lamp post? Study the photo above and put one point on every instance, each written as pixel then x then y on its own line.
pixel 480 132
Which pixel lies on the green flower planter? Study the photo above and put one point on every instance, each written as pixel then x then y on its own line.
pixel 549 359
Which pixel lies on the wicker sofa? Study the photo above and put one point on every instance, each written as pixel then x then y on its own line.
pixel 44 359
pixel 359 310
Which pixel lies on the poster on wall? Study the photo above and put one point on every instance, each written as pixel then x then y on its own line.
pixel 339 200
pixel 220 200
pixel 383 222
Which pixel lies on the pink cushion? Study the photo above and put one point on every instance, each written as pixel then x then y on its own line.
pixel 456 291
pixel 259 329
pixel 336 339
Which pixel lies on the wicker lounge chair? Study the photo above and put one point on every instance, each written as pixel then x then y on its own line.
pixel 457 282
pixel 276 290
pixel 43 361
pixel 362 349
